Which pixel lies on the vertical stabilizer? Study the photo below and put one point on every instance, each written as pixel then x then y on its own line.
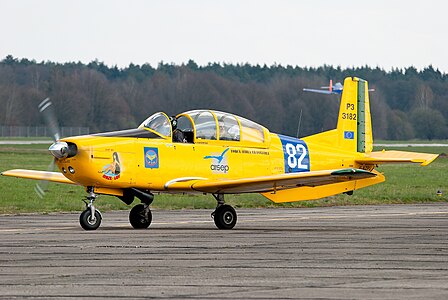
pixel 354 129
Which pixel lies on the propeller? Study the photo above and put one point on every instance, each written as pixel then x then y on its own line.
pixel 46 108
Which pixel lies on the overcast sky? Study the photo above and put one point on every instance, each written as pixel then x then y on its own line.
pixel 384 33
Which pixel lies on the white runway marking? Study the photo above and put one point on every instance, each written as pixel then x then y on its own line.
pixel 24 142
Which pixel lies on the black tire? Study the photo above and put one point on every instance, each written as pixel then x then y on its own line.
pixel 137 217
pixel 86 221
pixel 225 217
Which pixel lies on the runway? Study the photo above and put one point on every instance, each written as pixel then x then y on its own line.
pixel 361 252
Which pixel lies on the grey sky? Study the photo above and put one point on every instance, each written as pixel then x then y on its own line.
pixel 383 33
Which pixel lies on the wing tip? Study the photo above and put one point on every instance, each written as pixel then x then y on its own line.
pixel 429 160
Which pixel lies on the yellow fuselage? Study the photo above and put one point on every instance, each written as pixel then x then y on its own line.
pixel 178 160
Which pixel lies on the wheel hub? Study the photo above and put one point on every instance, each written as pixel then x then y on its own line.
pixel 91 220
pixel 228 217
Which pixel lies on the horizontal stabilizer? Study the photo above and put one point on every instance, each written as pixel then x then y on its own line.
pixel 392 156
pixel 38 175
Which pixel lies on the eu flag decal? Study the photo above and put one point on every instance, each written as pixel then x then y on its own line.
pixel 349 135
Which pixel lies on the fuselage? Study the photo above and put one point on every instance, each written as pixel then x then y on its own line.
pixel 125 159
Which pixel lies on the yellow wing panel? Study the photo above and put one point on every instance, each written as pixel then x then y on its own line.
pixel 392 156
pixel 38 175
pixel 273 182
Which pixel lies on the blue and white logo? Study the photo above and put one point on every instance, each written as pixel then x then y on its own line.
pixel 151 158
pixel 219 162
pixel 296 155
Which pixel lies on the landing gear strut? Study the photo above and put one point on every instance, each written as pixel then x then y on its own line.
pixel 90 219
pixel 224 215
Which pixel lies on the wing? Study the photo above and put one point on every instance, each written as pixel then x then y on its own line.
pixel 392 156
pixel 38 175
pixel 268 183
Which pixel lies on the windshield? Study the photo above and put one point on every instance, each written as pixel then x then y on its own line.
pixel 159 122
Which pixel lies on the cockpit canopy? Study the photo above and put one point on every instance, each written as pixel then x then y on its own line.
pixel 206 125
pixel 158 122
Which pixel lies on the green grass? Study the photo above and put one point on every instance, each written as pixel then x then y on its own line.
pixel 405 183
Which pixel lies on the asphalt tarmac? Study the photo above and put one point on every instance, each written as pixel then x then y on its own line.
pixel 360 252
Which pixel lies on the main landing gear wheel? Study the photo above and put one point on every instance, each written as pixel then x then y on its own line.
pixel 225 217
pixel 140 216
pixel 89 221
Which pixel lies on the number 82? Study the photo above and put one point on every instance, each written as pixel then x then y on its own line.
pixel 293 160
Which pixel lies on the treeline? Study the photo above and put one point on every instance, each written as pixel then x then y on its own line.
pixel 406 104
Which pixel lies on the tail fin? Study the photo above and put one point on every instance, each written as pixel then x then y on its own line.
pixel 354 129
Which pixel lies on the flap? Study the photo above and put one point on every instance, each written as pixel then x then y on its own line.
pixel 272 182
pixel 38 175
pixel 392 156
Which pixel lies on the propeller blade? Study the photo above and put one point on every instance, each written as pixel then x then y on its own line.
pixel 46 108
pixel 40 191
pixel 41 186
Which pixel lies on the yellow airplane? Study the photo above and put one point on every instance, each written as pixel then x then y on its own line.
pixel 212 152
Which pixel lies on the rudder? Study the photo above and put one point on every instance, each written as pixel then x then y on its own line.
pixel 354 128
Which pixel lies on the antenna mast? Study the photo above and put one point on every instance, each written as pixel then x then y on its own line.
pixel 300 121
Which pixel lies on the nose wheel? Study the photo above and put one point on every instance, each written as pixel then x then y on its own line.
pixel 90 219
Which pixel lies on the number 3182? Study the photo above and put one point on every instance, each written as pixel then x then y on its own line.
pixel 349 116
